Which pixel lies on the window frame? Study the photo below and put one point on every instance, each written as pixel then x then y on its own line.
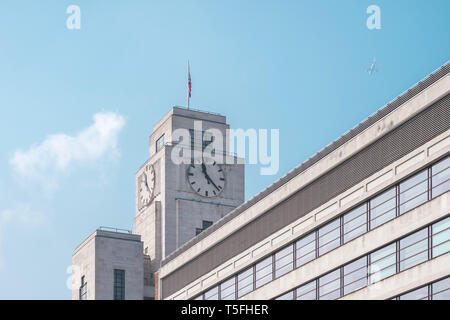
pixel 159 144
pixel 83 288
pixel 242 291
pixel 119 284
pixel 287 265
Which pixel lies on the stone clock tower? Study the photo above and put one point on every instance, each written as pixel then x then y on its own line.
pixel 175 202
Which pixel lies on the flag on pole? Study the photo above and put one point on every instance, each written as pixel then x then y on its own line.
pixel 189 84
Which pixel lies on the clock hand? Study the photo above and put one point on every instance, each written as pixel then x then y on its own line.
pixel 145 181
pixel 207 176
pixel 204 171
pixel 209 179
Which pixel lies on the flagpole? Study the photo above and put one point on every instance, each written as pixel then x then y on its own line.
pixel 189 89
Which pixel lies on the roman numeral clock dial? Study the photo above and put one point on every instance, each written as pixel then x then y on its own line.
pixel 207 180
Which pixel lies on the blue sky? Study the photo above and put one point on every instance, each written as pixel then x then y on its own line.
pixel 77 106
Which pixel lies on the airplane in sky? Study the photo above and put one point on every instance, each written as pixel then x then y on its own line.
pixel 372 68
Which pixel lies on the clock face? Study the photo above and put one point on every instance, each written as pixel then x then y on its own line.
pixel 146 186
pixel 207 180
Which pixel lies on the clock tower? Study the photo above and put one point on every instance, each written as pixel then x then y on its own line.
pixel 176 201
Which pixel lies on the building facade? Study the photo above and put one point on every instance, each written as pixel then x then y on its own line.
pixel 365 218
pixel 109 263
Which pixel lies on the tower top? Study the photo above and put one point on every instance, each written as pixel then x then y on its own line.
pixel 192 114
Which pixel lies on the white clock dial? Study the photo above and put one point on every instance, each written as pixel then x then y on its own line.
pixel 207 180
pixel 146 186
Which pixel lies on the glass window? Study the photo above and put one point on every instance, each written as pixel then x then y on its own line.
pixel 440 177
pixel 414 249
pixel 206 224
pixel 200 297
pixel 245 282
pixel 305 249
pixel 355 223
pixel 195 138
pixel 212 294
pixel 119 284
pixel 414 191
pixel 330 285
pixel 200 139
pixel 208 138
pixel 382 208
pixel 264 271
pixel 418 294
pixel 441 290
pixel 83 289
pixel 286 296
pixel 284 261
pixel 329 236
pixel 228 289
pixel 441 237
pixel 355 275
pixel 382 263
pixel 160 143
pixel 307 291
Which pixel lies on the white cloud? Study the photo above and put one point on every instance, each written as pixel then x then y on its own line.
pixel 23 214
pixel 59 151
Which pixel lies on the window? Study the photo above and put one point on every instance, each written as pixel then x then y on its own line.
pixel 382 263
pixel 228 289
pixel 245 282
pixel 286 296
pixel 83 289
pixel 441 290
pixel 330 285
pixel 355 275
pixel 441 237
pixel 207 138
pixel 160 143
pixel 329 236
pixel 199 138
pixel 418 294
pixel 440 177
pixel 119 284
pixel 205 225
pixel 305 249
pixel 382 208
pixel 212 294
pixel 413 191
pixel 307 291
pixel 414 249
pixel 284 261
pixel 355 223
pixel 264 271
